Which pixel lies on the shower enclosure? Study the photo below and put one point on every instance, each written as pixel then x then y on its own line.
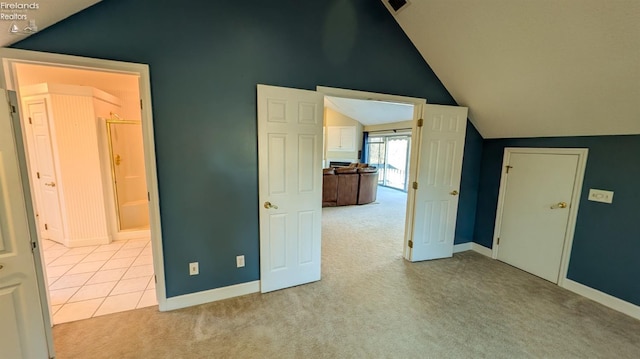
pixel 128 174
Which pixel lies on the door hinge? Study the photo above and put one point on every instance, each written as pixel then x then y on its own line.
pixel 415 185
pixel 420 122
pixel 38 174
pixel 148 197
pixel 13 108
pixel 498 241
pixel 46 227
pixel 508 168
pixel 410 244
pixel 33 246
pixel 141 104
pixel 155 279
pixel 30 121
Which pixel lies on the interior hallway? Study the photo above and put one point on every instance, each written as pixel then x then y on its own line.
pixel 371 303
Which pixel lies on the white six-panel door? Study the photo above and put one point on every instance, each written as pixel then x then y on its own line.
pixel 290 185
pixel 22 329
pixel 49 210
pixel 434 207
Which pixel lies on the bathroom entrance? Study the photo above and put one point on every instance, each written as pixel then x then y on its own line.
pixel 84 146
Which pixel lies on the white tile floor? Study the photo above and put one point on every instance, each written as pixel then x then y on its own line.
pixel 86 282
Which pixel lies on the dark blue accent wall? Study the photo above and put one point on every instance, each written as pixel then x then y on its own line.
pixel 206 58
pixel 606 244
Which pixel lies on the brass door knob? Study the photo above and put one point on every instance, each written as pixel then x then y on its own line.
pixel 1 266
pixel 454 193
pixel 50 184
pixel 268 205
pixel 559 205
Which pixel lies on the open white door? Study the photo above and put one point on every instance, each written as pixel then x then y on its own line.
pixel 22 328
pixel 433 207
pixel 290 186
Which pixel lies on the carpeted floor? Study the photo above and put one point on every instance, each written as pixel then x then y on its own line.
pixel 371 303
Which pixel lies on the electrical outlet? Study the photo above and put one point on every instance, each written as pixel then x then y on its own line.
pixel 194 268
pixel 240 261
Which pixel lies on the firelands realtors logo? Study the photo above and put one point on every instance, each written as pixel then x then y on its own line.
pixel 19 16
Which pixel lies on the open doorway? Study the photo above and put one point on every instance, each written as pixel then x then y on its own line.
pixel 84 146
pixel 366 168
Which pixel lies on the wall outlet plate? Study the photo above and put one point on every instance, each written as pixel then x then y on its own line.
pixel 599 195
pixel 194 268
pixel 240 261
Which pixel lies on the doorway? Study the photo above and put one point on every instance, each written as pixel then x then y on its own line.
pixel 84 145
pixel 537 206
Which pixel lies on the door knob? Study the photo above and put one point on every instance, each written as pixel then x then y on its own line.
pixel 268 205
pixel 454 193
pixel 559 205
pixel 50 184
pixel 1 266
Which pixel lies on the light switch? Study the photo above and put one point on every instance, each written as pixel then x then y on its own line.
pixel 599 195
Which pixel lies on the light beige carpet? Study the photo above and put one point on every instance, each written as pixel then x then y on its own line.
pixel 370 303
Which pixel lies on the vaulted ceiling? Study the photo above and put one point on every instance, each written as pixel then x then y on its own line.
pixel 534 67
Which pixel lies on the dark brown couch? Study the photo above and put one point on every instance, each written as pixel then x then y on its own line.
pixel 343 186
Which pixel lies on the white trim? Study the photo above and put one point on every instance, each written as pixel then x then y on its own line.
pixel 481 249
pixel 472 246
pixel 10 57
pixel 418 105
pixel 605 299
pixel 582 154
pixel 462 247
pixel 212 295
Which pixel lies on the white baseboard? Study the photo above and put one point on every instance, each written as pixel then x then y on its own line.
pixel 471 246
pixel 462 247
pixel 605 299
pixel 481 249
pixel 207 296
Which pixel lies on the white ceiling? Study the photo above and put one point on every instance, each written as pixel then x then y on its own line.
pixel 48 13
pixel 535 67
pixel 369 112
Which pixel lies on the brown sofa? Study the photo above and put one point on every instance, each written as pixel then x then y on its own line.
pixel 343 186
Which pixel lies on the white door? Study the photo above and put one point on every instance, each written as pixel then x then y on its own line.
pixel 434 206
pixel 290 185
pixel 49 213
pixel 22 329
pixel 537 199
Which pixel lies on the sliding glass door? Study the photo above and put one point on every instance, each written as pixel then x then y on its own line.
pixel 390 154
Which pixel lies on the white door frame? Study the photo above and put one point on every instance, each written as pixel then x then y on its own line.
pixel 10 57
pixel 573 209
pixel 418 104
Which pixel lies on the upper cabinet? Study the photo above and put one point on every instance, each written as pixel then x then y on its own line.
pixel 341 138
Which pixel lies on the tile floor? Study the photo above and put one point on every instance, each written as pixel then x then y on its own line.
pixel 87 282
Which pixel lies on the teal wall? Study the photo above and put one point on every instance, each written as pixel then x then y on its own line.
pixel 206 58
pixel 606 243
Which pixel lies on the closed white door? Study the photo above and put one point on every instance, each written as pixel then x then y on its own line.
pixel 434 207
pixel 22 329
pixel 290 186
pixel 537 200
pixel 49 212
